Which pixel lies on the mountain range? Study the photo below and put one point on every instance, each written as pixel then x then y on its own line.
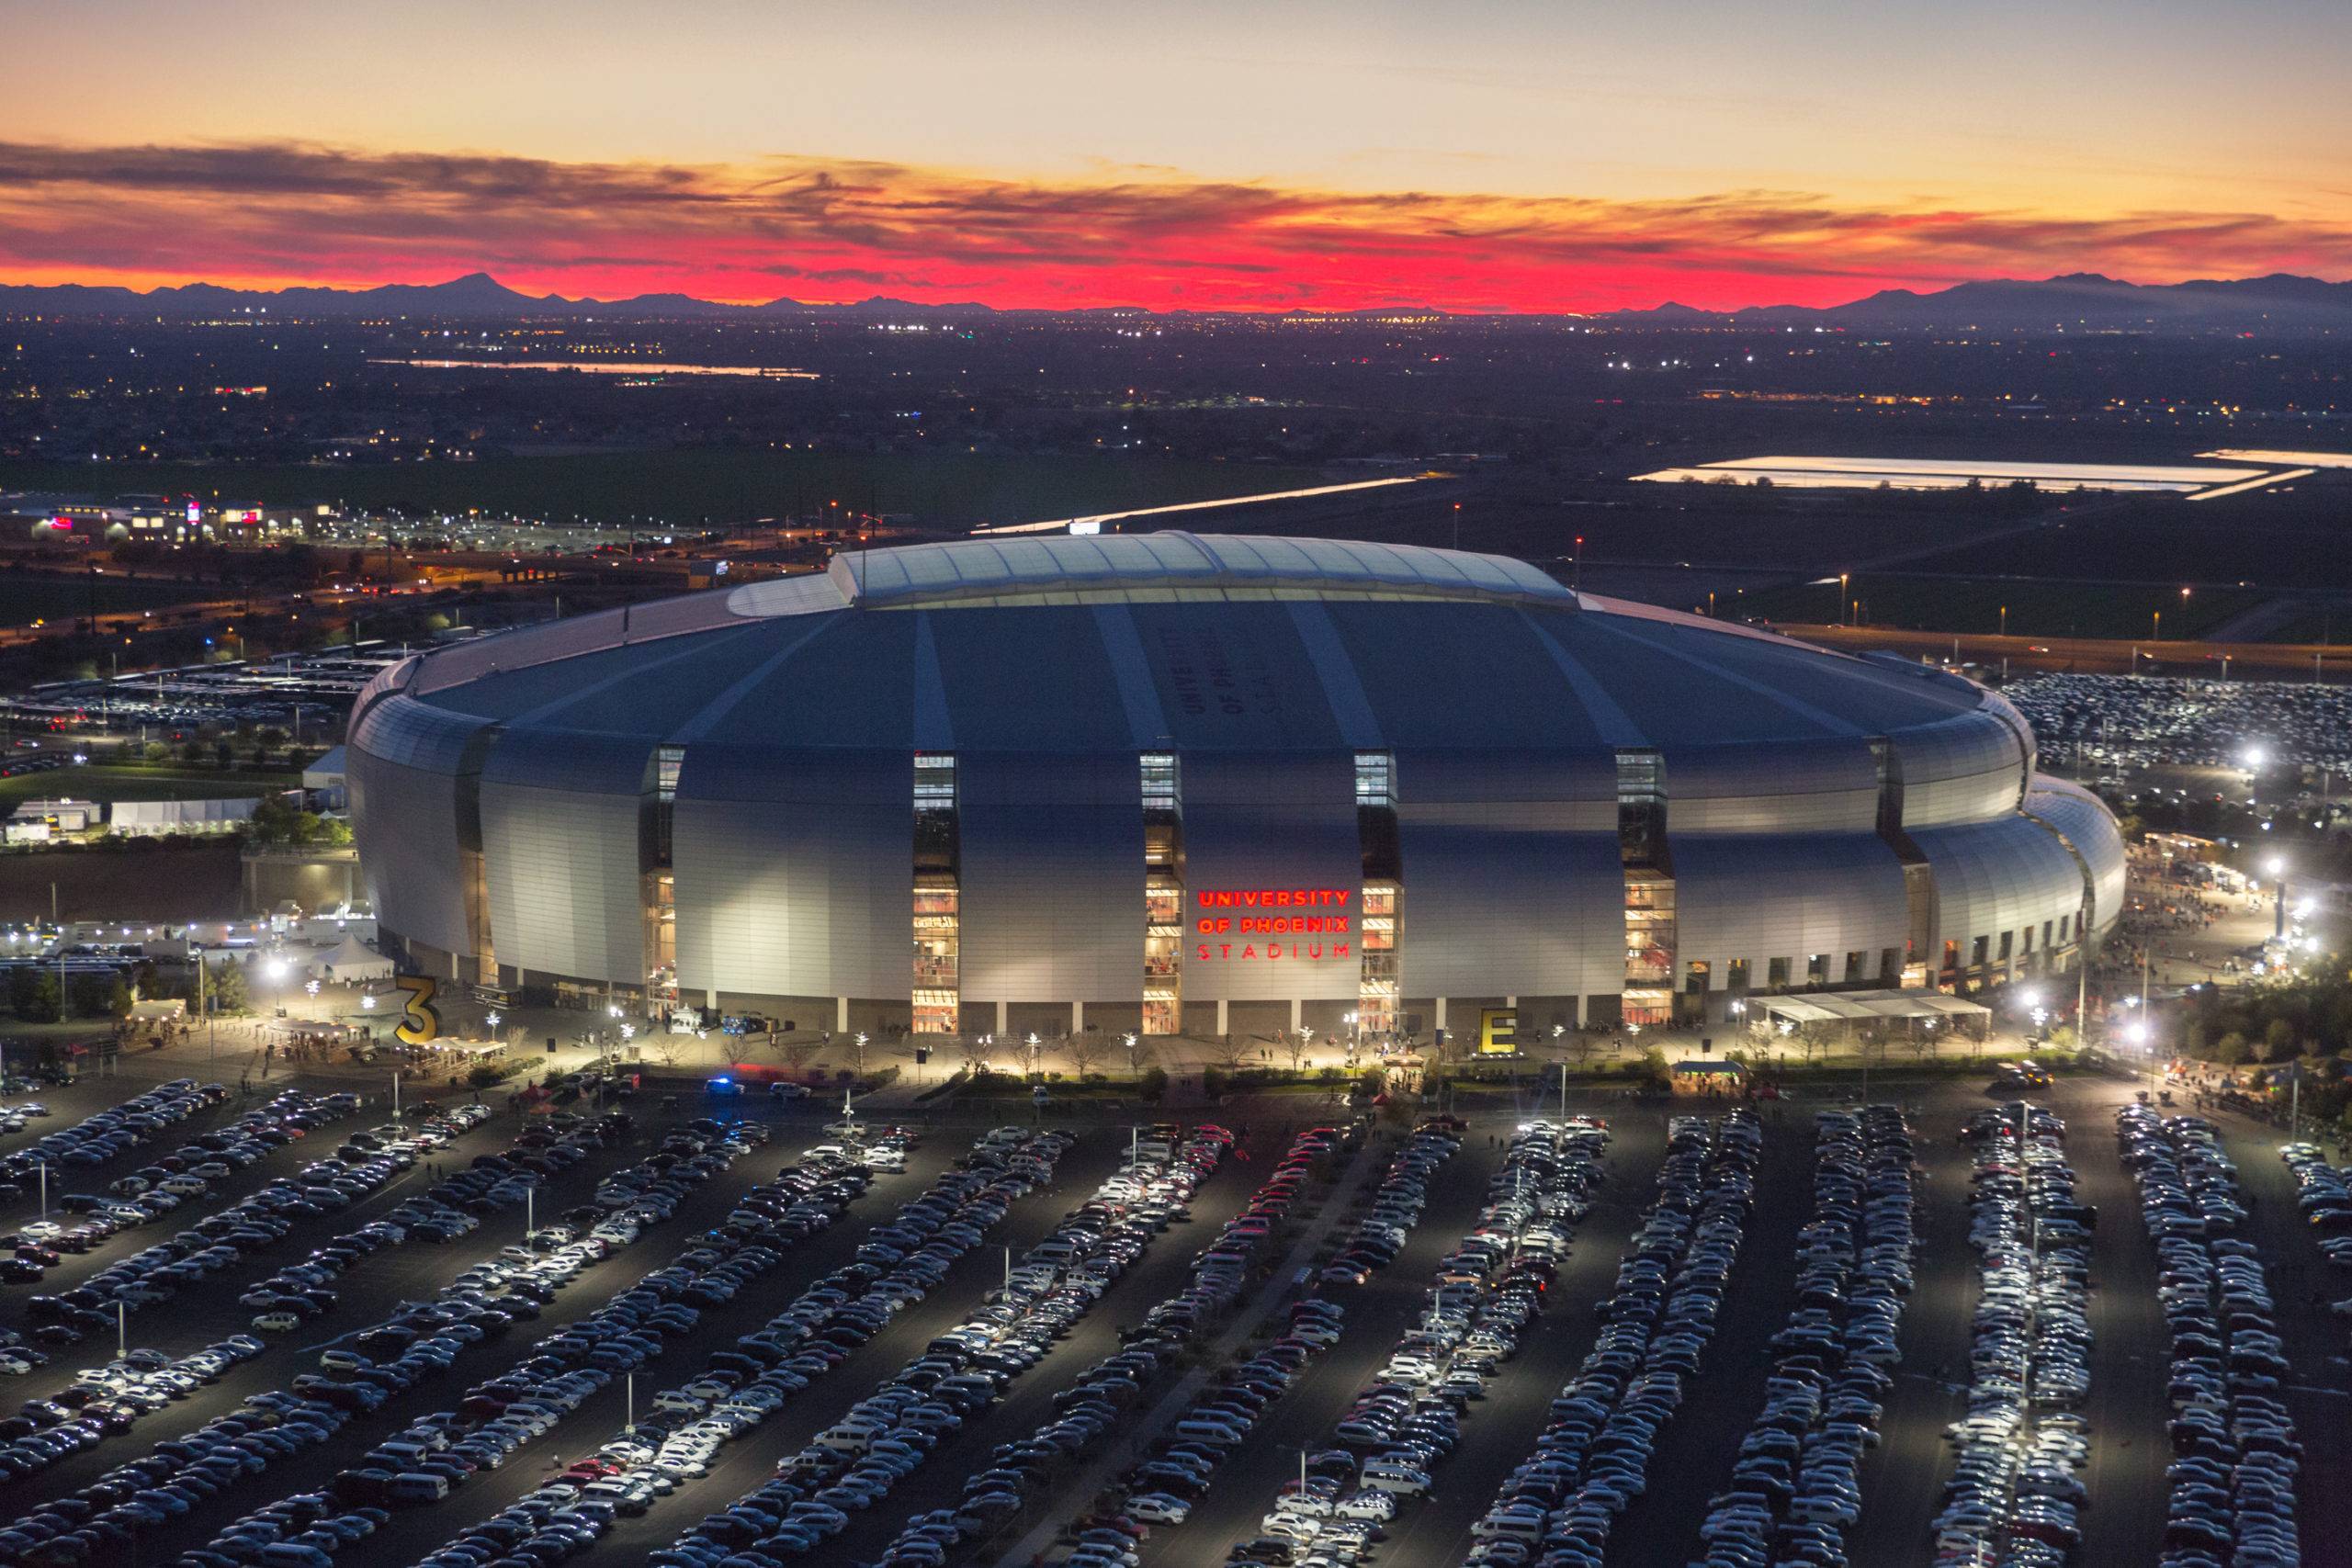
pixel 2077 301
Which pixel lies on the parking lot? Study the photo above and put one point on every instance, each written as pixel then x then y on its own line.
pixel 1640 1336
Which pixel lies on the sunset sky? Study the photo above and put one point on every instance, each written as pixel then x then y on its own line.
pixel 1555 156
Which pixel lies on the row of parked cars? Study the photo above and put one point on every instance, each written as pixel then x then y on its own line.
pixel 1157 1180
pixel 853 1463
pixel 418 1340
pixel 155 1273
pixel 297 1292
pixel 687 1426
pixel 156 1189
pixel 1483 1296
pixel 107 1516
pixel 179 1475
pixel 2236 1457
pixel 105 1134
pixel 817 1330
pixel 105 1400
pixel 1795 1485
pixel 1592 1460
pixel 1378 1235
pixel 1179 1470
pixel 2015 1494
pixel 2324 1198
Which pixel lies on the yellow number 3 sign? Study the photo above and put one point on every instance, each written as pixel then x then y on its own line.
pixel 418 1023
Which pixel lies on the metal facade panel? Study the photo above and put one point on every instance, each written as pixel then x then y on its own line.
pixel 1233 677
pixel 1257 823
pixel 1511 878
pixel 565 893
pixel 1794 786
pixel 2091 829
pixel 2003 875
pixel 1034 680
pixel 1968 769
pixel 1785 896
pixel 1477 677
pixel 404 822
pixel 795 871
pixel 569 759
pixel 519 650
pixel 414 734
pixel 1052 876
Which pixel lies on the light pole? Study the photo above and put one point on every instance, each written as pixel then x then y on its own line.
pixel 1131 1053
pixel 2277 867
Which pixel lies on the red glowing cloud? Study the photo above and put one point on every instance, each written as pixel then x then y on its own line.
pixel 276 213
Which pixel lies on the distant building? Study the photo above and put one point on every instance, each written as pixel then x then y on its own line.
pixel 157 819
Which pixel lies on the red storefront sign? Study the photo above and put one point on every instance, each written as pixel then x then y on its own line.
pixel 1254 925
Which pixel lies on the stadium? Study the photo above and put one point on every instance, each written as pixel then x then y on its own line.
pixel 1170 784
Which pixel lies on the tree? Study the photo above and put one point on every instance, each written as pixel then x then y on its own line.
pixel 798 1053
pixel 225 987
pixel 1295 1044
pixel 1918 1042
pixel 1086 1048
pixel 155 751
pixel 2231 1050
pixel 32 994
pixel 1228 1051
pixel 2279 1040
pixel 90 993
pixel 1581 1043
pixel 1152 1085
pixel 1654 1067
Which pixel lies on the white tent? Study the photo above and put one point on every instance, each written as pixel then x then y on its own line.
pixel 353 962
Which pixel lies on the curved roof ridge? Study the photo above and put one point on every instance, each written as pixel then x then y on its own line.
pixel 1001 568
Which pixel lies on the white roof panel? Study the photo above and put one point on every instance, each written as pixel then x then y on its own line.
pixel 1119 565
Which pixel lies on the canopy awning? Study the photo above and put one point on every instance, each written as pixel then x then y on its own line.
pixel 1869 1006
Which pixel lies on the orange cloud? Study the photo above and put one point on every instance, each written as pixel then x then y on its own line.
pixel 286 212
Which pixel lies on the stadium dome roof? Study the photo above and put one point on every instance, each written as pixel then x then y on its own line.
pixel 1128 641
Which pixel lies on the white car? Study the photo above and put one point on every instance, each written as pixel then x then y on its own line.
pixel 277 1323
pixel 1158 1509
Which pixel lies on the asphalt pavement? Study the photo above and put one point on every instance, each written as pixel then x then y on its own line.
pixel 1902 1479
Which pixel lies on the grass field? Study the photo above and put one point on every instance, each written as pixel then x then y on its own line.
pixel 155 880
pixel 2035 608
pixel 109 783
pixel 684 487
pixel 26 597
